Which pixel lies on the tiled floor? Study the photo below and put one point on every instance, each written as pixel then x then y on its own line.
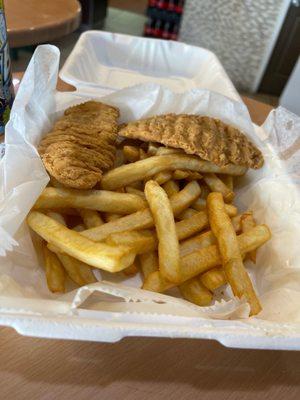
pixel 118 20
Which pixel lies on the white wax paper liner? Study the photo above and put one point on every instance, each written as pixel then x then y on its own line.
pixel 273 193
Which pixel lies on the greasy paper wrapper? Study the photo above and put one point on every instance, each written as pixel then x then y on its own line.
pixel 272 192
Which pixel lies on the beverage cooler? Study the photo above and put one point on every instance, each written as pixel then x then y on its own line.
pixel 164 18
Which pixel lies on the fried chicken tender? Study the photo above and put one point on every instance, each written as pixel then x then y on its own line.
pixel 207 137
pixel 81 145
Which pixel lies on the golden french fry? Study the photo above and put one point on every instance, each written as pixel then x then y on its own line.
pixel 55 274
pixel 131 153
pixel 152 148
pixel 144 169
pixel 78 228
pixel 101 200
pixel 140 242
pixel 143 219
pixel 179 174
pixel 216 185
pixel 168 245
pixel 194 291
pixel 132 190
pixel 196 243
pixel 162 151
pixel 162 177
pixel 148 262
pixel 194 176
pixel 247 222
pixel 98 255
pixel 79 272
pixel 204 191
pixel 91 218
pixel 202 260
pixel 232 261
pixel 200 204
pixel 139 185
pixel 214 278
pixel 236 223
pixel 143 154
pixel 111 217
pixel 132 269
pixel 189 226
pixel 228 180
pixel 171 187
pixel 188 213
pixel 65 211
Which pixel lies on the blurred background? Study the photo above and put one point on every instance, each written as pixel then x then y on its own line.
pixel 258 42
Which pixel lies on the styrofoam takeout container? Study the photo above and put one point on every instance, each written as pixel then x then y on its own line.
pixel 25 303
pixel 109 61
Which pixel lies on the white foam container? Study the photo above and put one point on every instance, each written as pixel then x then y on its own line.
pixel 101 63
pixel 109 61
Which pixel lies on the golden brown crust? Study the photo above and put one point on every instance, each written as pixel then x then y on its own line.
pixel 81 145
pixel 206 137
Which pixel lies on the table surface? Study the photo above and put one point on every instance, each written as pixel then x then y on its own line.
pixel 31 22
pixel 145 368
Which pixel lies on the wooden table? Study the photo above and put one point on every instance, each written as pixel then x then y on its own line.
pixel 145 368
pixel 32 22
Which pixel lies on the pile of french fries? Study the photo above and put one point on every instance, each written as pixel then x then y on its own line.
pixel 159 212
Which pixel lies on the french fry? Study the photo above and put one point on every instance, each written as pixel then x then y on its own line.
pixel 171 187
pixel 111 217
pixel 132 269
pixel 143 154
pixel 214 278
pixel 194 291
pixel 200 204
pixel 247 222
pixel 236 223
pixel 78 228
pixel 98 255
pixel 232 261
pixel 196 243
pixel 91 218
pixel 168 245
pixel 188 213
pixel 144 169
pixel 204 191
pixel 162 151
pixel 148 262
pixel 200 261
pixel 138 185
pixel 132 190
pixel 194 176
pixel 79 272
pixel 143 219
pixel 131 153
pixel 152 148
pixel 216 185
pixel 228 180
pixel 162 177
pixel 179 174
pixel 55 274
pixel 189 226
pixel 141 242
pixel 101 200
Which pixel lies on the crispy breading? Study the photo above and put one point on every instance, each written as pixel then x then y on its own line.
pixel 81 145
pixel 207 137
